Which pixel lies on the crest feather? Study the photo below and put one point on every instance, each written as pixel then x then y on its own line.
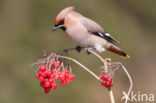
pixel 64 12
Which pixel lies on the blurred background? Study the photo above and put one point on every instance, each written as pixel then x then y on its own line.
pixel 26 30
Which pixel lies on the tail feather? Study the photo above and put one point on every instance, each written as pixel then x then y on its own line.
pixel 115 49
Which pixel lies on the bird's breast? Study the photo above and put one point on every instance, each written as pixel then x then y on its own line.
pixel 77 34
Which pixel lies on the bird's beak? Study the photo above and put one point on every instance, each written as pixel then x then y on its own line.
pixel 56 27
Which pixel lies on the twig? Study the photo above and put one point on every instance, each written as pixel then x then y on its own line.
pixel 130 80
pixel 111 95
pixel 129 77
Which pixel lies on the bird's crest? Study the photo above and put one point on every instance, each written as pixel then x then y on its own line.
pixel 63 14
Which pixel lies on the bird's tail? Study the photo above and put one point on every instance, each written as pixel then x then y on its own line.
pixel 117 50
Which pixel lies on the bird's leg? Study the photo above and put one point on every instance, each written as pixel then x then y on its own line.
pixel 89 50
pixel 61 52
pixel 78 49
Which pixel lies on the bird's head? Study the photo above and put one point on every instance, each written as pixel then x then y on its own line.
pixel 61 19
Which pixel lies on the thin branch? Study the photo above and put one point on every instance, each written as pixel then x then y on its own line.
pixel 129 77
pixel 111 95
pixel 130 80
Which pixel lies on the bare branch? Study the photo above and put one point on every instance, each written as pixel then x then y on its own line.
pixel 130 80
pixel 111 95
pixel 129 77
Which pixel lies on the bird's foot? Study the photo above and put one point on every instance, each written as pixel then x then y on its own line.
pixel 78 49
pixel 64 51
pixel 89 50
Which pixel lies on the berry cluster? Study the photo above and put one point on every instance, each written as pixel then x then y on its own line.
pixel 106 80
pixel 48 76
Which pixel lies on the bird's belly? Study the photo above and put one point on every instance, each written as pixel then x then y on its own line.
pixel 79 39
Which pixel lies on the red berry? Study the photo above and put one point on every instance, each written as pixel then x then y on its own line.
pixel 103 83
pixel 46 79
pixel 62 77
pixel 43 74
pixel 40 73
pixel 110 85
pixel 64 70
pixel 49 73
pixel 37 75
pixel 53 64
pixel 53 71
pixel 68 80
pixel 59 63
pixel 51 80
pixel 63 82
pixel 46 90
pixel 52 76
pixel 54 86
pixel 41 79
pixel 72 76
pixel 100 76
pixel 67 74
pixel 59 77
pixel 106 78
pixel 47 84
pixel 42 68
pixel 110 79
pixel 59 72
pixel 107 84
pixel 42 84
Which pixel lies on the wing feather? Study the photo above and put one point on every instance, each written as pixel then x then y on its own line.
pixel 96 29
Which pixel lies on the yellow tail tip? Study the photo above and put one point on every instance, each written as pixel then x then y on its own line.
pixel 127 56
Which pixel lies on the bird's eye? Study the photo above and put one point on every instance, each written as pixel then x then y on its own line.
pixel 62 22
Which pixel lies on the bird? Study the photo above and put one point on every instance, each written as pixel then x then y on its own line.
pixel 86 33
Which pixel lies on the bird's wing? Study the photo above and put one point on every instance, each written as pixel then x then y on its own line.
pixel 96 29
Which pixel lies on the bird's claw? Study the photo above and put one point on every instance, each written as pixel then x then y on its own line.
pixel 78 49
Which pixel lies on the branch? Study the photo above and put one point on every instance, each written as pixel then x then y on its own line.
pixel 111 95
pixel 130 80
